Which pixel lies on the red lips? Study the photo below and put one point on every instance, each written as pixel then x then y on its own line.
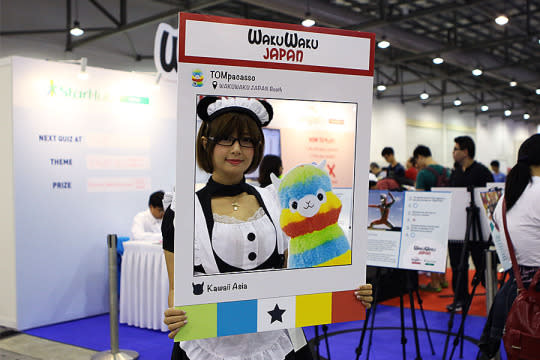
pixel 234 161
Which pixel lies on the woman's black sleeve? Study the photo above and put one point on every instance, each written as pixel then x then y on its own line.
pixel 167 230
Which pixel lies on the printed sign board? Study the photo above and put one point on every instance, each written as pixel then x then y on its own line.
pixel 300 71
pixel 408 230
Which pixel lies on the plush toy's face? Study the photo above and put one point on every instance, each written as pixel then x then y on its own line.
pixel 308 205
pixel 307 200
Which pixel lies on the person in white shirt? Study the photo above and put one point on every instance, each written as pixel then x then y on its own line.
pixel 522 198
pixel 147 224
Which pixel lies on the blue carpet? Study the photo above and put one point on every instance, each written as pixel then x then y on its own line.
pixel 93 333
pixel 386 343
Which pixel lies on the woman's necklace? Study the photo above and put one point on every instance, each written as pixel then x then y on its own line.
pixel 235 204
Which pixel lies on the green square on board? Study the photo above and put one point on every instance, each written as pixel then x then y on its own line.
pixel 202 322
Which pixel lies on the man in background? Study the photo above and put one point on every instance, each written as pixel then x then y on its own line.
pixel 394 170
pixel 411 170
pixel 428 177
pixel 147 224
pixel 376 170
pixel 497 175
pixel 467 173
pixel 430 170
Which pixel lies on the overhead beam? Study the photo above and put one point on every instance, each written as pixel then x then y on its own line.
pixel 68 24
pixel 105 12
pixel 49 31
pixel 443 76
pixel 142 22
pixel 437 9
pixel 447 49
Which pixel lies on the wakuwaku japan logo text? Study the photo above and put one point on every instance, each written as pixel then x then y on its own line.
pixel 289 47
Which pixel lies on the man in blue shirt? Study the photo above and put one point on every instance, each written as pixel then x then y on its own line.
pixel 497 176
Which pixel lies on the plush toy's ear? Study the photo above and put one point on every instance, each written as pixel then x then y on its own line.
pixel 275 181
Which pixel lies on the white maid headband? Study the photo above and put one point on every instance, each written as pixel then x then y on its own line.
pixel 210 107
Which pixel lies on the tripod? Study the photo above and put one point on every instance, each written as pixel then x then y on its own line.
pixel 407 279
pixel 473 233
pixel 318 341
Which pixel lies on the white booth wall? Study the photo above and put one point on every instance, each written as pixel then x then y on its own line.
pixel 53 253
pixel 84 157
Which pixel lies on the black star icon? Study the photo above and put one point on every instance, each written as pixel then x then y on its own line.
pixel 276 314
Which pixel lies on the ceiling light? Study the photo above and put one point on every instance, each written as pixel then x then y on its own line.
pixel 76 29
pixel 457 102
pixel 538 91
pixel 501 20
pixel 526 116
pixel 424 95
pixel 438 60
pixel 507 112
pixel 381 87
pixel 513 83
pixel 308 21
pixel 484 108
pixel 83 75
pixel 477 72
pixel 383 44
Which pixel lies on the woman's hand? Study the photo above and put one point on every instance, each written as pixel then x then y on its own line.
pixel 363 293
pixel 175 319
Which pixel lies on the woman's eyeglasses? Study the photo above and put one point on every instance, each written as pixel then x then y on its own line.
pixel 245 141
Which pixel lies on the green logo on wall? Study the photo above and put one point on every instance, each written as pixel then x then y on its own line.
pixel 93 94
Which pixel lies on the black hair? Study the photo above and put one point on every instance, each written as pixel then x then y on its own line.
pixel 156 199
pixel 466 143
pixel 520 176
pixel 387 151
pixel 421 150
pixel 413 161
pixel 495 163
pixel 374 164
pixel 270 164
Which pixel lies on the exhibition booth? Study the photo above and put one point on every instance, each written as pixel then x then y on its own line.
pixel 82 155
pixel 80 160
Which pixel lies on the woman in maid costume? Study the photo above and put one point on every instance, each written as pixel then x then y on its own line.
pixel 236 227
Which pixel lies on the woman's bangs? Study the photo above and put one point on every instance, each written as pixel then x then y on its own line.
pixel 227 124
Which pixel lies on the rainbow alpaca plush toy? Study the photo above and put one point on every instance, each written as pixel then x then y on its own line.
pixel 309 215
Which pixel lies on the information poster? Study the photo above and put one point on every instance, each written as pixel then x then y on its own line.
pixel 319 82
pixel 408 230
pixel 489 201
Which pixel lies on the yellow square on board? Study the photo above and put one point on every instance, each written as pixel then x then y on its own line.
pixel 202 322
pixel 313 309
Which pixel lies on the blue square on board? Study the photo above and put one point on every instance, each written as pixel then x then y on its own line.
pixel 237 317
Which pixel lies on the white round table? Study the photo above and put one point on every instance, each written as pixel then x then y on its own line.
pixel 144 285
